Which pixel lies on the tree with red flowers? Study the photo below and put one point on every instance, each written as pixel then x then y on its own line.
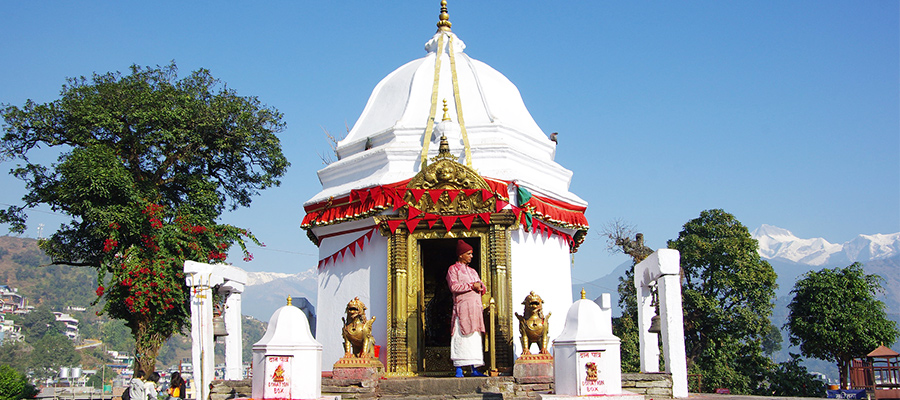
pixel 148 164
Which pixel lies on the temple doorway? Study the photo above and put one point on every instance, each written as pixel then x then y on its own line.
pixel 436 302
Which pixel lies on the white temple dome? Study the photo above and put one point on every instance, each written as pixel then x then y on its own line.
pixel 288 326
pixel 385 144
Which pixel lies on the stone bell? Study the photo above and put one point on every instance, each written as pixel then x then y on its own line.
pixel 654 325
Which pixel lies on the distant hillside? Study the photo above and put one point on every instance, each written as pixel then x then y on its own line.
pixel 24 266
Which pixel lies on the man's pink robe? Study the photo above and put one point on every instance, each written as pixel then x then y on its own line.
pixel 466 301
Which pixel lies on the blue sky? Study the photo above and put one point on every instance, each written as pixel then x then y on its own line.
pixel 781 113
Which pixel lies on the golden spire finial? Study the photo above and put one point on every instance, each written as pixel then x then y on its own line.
pixel 289 300
pixel 583 294
pixel 446 117
pixel 444 23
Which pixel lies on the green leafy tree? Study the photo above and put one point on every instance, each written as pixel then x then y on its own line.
pixel 104 376
pixel 835 316
pixel 148 164
pixel 727 292
pixel 772 342
pixel 39 323
pixel 50 353
pixel 14 385
pixel 15 354
pixel 791 379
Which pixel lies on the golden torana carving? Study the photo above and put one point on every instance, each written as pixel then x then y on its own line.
pixel 445 173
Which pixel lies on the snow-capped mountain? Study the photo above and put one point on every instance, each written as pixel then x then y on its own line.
pixel 265 292
pixel 260 278
pixel 778 243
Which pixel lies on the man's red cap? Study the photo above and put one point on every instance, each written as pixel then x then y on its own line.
pixel 462 247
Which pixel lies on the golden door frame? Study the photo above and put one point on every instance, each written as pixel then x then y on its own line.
pixel 405 269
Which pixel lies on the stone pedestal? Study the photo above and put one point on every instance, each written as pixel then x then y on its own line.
pixel 533 368
pixel 358 368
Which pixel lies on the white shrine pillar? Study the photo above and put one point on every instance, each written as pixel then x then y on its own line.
pixel 233 342
pixel 649 355
pixel 662 268
pixel 202 278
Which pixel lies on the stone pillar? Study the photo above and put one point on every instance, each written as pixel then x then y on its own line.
pixel 663 268
pixel 649 342
pixel 200 280
pixel 233 342
pixel 673 332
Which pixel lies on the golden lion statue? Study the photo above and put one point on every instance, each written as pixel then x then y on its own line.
pixel 534 327
pixel 357 332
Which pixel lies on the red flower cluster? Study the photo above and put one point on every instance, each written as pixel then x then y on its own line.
pixel 109 245
pixel 99 290
pixel 151 210
pixel 215 255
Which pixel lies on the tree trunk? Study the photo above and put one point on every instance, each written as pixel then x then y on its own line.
pixel 146 346
pixel 842 369
pixel 147 360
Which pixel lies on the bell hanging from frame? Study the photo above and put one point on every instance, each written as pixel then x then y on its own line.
pixel 654 325
pixel 219 326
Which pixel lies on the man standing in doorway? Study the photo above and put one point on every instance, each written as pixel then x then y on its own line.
pixel 467 322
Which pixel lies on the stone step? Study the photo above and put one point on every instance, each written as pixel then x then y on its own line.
pixel 422 386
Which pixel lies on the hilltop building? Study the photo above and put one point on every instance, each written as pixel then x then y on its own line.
pixel 445 149
pixel 70 324
pixel 10 300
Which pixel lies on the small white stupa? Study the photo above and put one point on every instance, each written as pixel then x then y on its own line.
pixel 287 361
pixel 444 150
pixel 586 356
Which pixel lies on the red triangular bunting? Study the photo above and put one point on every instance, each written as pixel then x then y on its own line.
pixel 501 205
pixel 430 217
pixel 486 217
pixel 363 195
pixel 467 220
pixel 394 224
pixel 452 194
pixel 321 264
pixel 377 193
pixel 417 193
pixel 411 224
pixel 448 221
pixel 361 242
pixel 369 235
pixel 344 250
pixel 435 194
pixel 431 222
pixel 470 192
pixel 517 211
pixel 353 194
pixel 397 200
pixel 353 249
pixel 413 212
pixel 486 194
